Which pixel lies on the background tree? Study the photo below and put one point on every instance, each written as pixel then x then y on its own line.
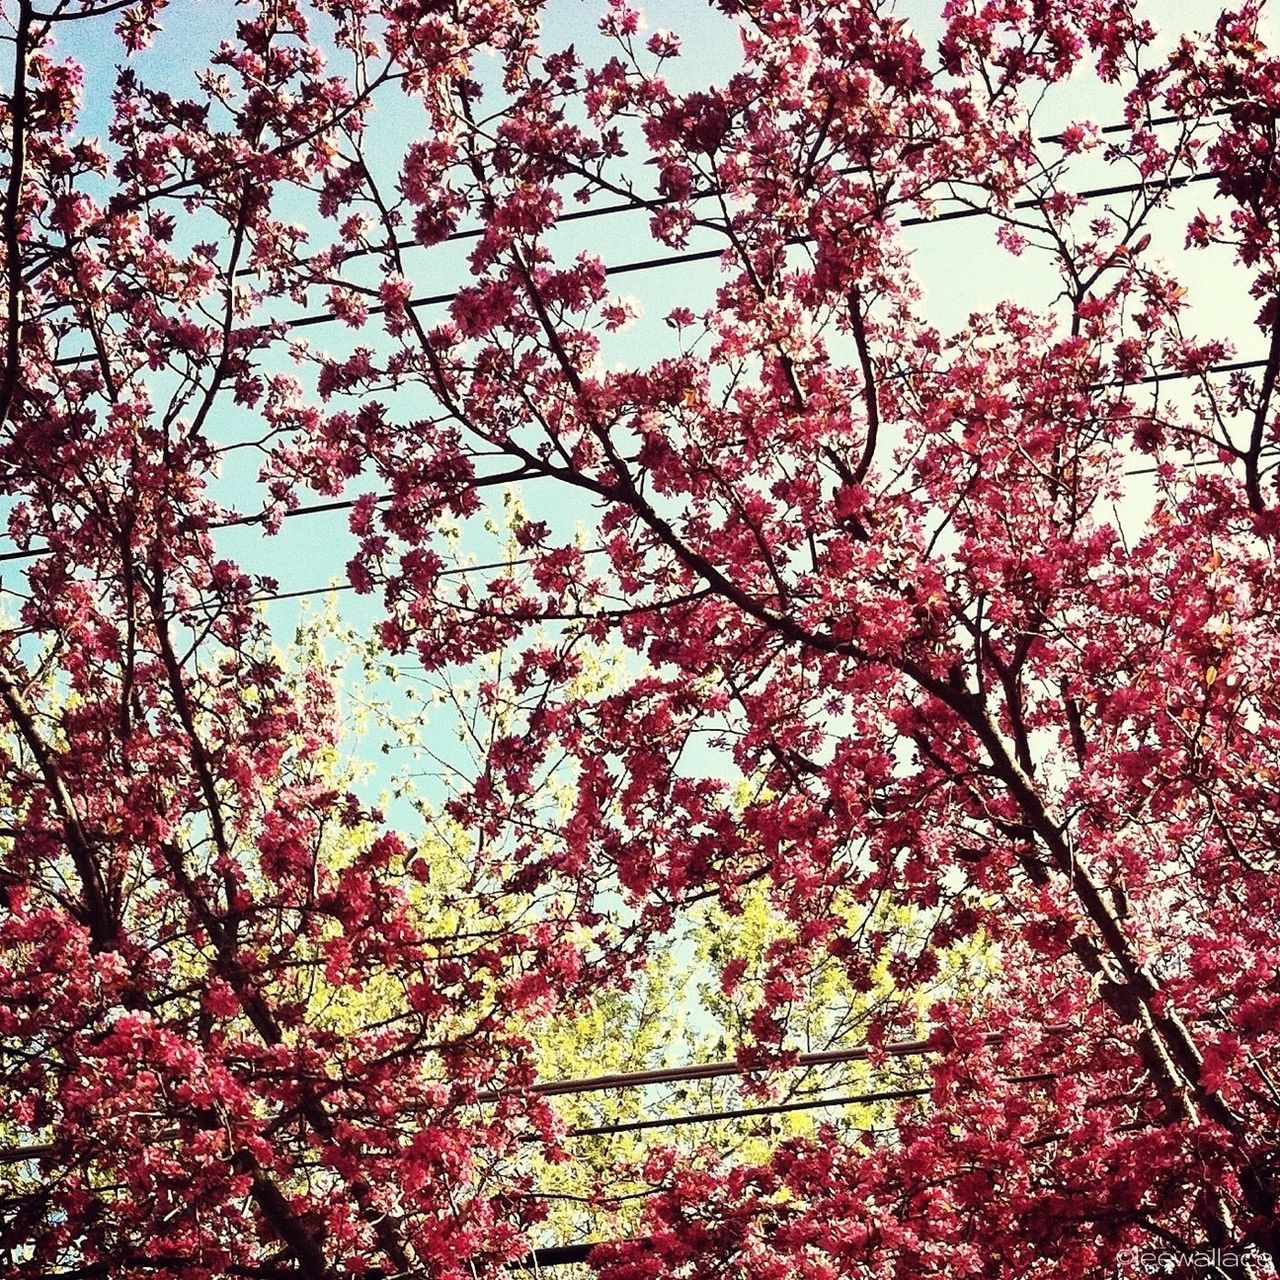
pixel 907 667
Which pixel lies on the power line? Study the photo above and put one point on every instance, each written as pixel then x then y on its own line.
pixel 707 255
pixel 562 1255
pixel 777 1108
pixel 571 1254
pixel 269 597
pixel 640 204
pixel 680 259
pixel 312 509
pixel 552 1256
pixel 1176 375
pixel 523 474
pixel 566 1255
pixel 41 1151
pixel 742 1113
pixel 732 1067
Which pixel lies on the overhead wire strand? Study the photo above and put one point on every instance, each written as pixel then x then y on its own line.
pixel 708 255
pixel 517 477
pixel 642 204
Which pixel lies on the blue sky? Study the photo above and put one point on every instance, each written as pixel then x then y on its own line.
pixel 962 269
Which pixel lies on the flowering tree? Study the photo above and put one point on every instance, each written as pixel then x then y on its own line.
pixel 964 684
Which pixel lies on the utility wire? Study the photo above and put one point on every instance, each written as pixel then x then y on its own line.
pixel 742 1113
pixel 311 509
pixel 613 1083
pixel 679 259
pixel 523 474
pixel 552 1256
pixel 570 1254
pixel 707 255
pixel 776 1108
pixel 732 1067
pixel 641 204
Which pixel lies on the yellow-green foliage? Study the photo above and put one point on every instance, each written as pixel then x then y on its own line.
pixel 673 1012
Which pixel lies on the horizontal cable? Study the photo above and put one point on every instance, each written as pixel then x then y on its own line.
pixel 643 204
pixel 1176 375
pixel 313 509
pixel 566 1255
pixel 776 1108
pixel 519 476
pixel 742 1113
pixel 21 1155
pixel 24 1154
pixel 731 1067
pixel 708 255
pixel 562 1255
pixel 569 1254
